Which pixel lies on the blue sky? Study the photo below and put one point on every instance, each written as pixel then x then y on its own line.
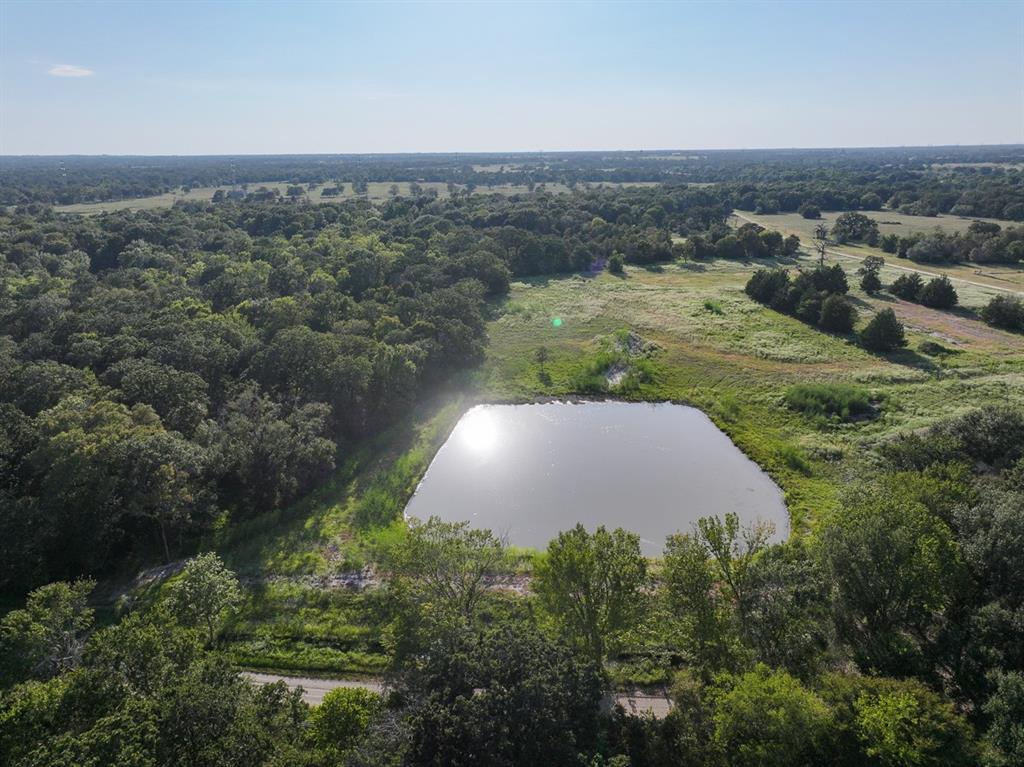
pixel 263 77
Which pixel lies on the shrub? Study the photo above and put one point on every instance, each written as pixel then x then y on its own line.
pixel 713 306
pixel 837 315
pixel 809 210
pixel 1004 311
pixel 884 333
pixel 829 400
pixel 765 284
pixel 939 293
pixel 890 243
pixel 342 718
pixel 616 263
pixel 907 286
pixel 729 247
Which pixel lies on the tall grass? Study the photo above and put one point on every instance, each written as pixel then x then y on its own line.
pixel 822 400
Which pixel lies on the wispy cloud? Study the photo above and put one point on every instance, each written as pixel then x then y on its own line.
pixel 70 70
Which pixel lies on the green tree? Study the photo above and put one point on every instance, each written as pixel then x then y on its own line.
pixel 729 247
pixel 733 549
pixel 1004 311
pixel 907 286
pixel 445 564
pixel 342 718
pixel 869 271
pixel 592 585
pixel 939 293
pixel 767 718
pixel 203 594
pixel 509 697
pixel 883 333
pixel 837 315
pixel 46 637
pixel 894 566
pixel 1004 740
pixel 702 622
pixel 893 723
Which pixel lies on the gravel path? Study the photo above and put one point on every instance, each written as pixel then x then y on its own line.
pixel 636 702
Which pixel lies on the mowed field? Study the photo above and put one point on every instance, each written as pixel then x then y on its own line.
pixel 716 349
pixel 376 190
pixel 889 222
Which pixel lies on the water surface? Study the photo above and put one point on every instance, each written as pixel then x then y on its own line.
pixel 528 471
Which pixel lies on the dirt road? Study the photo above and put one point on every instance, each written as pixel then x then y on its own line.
pixel 636 702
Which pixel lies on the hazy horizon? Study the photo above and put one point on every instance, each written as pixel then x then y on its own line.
pixel 304 78
pixel 650 150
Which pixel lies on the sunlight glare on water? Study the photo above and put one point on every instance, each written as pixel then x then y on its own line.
pixel 478 431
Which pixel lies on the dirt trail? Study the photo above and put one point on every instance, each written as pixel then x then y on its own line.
pixel 636 702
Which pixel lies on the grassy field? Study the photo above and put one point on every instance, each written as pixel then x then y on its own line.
pixel 718 350
pixel 376 191
pixel 889 222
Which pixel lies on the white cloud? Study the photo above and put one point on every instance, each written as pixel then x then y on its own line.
pixel 70 70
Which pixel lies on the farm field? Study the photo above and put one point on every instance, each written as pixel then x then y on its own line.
pixel 376 191
pixel 716 349
pixel 997 276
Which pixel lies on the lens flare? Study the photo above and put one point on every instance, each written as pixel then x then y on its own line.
pixel 478 431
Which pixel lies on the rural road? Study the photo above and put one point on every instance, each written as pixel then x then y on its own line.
pixel 313 690
pixel 635 702
pixel 891 265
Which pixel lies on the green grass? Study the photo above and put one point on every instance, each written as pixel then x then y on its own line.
pixel 829 400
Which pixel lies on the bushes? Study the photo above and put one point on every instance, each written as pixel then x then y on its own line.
pixel 342 718
pixel 837 315
pixel 829 400
pixel 939 294
pixel 1004 311
pixel 765 284
pixel 884 333
pixel 907 286
pixel 814 297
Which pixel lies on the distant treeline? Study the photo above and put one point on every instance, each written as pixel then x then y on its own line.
pixel 973 181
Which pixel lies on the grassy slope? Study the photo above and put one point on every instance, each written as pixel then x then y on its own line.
pixel 719 351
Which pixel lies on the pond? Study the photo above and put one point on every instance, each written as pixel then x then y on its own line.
pixel 527 472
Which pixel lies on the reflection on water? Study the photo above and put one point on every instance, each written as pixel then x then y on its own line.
pixel 529 471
